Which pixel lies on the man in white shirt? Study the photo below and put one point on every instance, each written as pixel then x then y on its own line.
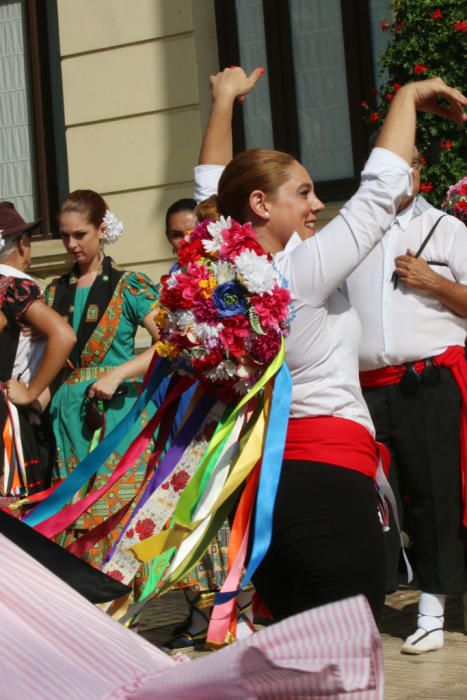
pixel 411 296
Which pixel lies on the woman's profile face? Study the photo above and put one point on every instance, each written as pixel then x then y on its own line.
pixel 295 206
pixel 82 240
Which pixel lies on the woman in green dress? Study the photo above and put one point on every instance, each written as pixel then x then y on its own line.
pixel 105 305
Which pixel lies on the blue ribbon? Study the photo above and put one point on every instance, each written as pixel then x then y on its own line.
pixel 269 478
pixel 95 460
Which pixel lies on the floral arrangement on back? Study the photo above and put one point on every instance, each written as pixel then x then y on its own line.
pixel 225 312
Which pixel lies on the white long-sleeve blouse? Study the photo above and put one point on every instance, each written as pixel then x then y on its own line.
pixel 322 348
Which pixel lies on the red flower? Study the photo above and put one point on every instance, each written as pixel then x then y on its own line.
pixel 460 26
pixel 265 347
pixel 447 144
pixel 396 87
pixel 116 574
pixel 389 96
pixel 190 251
pixel 426 186
pixel 145 528
pixel 180 480
pixel 374 116
pixel 420 68
pixel 422 159
pixel 437 14
pixel 202 364
pixel 364 104
pixel 398 26
pixel 384 24
pixel 130 533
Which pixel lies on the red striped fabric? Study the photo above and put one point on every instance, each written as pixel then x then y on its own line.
pixel 56 645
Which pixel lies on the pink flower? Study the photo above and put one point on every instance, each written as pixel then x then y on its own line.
pixel 237 239
pixel 420 68
pixel 272 308
pixel 364 104
pixel 145 528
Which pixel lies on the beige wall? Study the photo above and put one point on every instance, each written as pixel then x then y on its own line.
pixel 136 99
pixel 134 73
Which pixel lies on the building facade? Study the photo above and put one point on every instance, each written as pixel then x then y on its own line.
pixel 113 95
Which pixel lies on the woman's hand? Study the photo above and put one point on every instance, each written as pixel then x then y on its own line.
pixel 106 386
pixel 18 392
pixel 426 94
pixel 234 83
pixel 227 86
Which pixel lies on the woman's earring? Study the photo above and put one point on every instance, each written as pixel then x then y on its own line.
pixel 266 215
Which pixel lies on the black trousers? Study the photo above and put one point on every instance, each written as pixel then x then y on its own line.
pixel 327 541
pixel 422 433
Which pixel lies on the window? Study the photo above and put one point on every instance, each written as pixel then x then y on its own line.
pixel 33 172
pixel 320 66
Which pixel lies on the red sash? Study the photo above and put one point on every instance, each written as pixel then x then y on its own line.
pixel 454 358
pixel 335 440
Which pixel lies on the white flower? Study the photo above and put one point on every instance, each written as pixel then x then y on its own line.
pixel 204 331
pixel 113 227
pixel 184 319
pixel 224 272
pixel 257 272
pixel 2 240
pixel 216 228
pixel 224 371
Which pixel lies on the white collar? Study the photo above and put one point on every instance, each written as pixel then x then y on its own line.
pixel 9 271
pixel 404 217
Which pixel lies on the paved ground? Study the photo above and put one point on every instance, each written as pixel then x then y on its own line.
pixel 436 676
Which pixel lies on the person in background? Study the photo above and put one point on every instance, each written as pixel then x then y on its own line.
pixel 104 305
pixel 27 367
pixel 411 296
pixel 180 218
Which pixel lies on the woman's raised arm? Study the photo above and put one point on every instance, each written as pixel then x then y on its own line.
pixel 227 86
pixel 398 131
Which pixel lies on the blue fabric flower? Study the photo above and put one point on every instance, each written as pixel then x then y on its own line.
pixel 229 299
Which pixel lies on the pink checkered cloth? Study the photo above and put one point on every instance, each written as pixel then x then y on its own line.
pixel 55 645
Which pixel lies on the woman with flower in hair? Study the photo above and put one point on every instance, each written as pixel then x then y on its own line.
pixel 327 540
pixel 105 305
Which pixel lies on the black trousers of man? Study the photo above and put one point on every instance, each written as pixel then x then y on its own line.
pixel 422 432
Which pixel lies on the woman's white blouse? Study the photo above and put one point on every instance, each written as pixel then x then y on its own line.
pixel 322 348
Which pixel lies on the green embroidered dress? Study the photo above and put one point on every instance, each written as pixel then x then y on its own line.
pixel 72 434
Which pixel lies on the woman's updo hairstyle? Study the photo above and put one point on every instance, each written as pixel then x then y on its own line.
pixel 87 203
pixel 254 169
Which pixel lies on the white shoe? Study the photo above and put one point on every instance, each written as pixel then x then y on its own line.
pixel 422 641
